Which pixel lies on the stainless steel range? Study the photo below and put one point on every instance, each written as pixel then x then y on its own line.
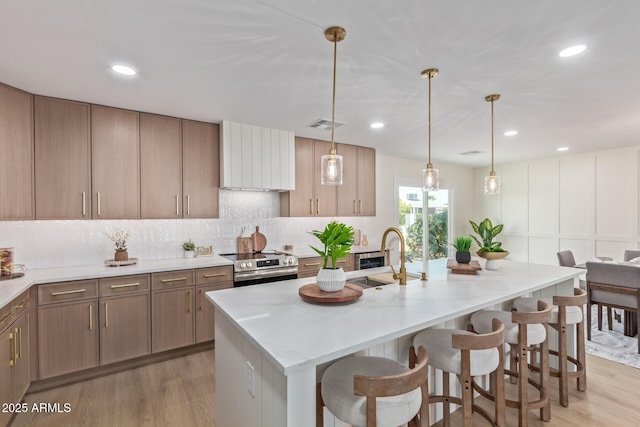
pixel 259 267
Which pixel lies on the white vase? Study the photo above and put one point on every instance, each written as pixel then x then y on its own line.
pixel 189 254
pixel 330 280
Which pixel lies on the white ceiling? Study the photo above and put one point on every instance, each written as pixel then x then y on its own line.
pixel 267 62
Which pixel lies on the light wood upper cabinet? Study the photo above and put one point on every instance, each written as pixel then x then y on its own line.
pixel 310 198
pixel 200 166
pixel 115 180
pixel 160 167
pixel 357 194
pixel 16 146
pixel 62 159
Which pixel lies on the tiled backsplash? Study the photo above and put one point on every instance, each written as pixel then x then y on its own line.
pixel 44 244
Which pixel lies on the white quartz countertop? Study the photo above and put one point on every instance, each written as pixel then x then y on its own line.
pixel 293 334
pixel 9 289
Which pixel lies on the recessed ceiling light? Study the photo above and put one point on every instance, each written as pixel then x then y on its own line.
pixel 511 133
pixel 377 125
pixel 563 149
pixel 124 70
pixel 573 50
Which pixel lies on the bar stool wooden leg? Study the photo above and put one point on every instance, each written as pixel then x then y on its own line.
pixel 562 361
pixel 319 407
pixel 545 411
pixel 581 355
pixel 446 390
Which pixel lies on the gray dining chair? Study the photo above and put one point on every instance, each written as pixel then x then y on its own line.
pixel 566 259
pixel 614 285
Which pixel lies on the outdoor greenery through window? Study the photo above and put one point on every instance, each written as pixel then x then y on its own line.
pixel 412 205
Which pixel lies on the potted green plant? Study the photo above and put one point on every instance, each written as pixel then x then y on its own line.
pixel 462 244
pixel 189 249
pixel 337 239
pixel 489 249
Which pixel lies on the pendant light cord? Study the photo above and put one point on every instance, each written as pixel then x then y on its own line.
pixel 492 136
pixel 333 102
pixel 429 119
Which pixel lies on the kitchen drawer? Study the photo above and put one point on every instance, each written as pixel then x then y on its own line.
pixel 211 275
pixel 20 304
pixel 309 265
pixel 347 263
pixel 172 279
pixel 124 285
pixel 67 291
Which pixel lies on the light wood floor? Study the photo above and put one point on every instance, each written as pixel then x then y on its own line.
pixel 180 392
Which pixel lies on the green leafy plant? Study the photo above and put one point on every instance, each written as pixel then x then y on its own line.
pixel 188 246
pixel 462 243
pixel 487 232
pixel 337 239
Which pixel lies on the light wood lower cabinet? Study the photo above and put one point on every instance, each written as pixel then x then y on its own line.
pixel 124 327
pixel 172 310
pixel 6 373
pixel 68 337
pixel 205 313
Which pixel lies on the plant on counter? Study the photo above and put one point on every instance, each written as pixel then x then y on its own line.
pixel 337 239
pixel 119 237
pixel 462 244
pixel 188 246
pixel 487 232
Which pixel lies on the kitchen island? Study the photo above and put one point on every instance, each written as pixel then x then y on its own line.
pixel 272 347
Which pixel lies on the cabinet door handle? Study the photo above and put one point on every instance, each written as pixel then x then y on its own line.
pixel 354 206
pixel 177 279
pixel 91 317
pixel 360 210
pixel 310 206
pixel 190 301
pixel 84 203
pixel 188 205
pixel 201 300
pixel 106 314
pixel 177 205
pixel 317 206
pixel 312 264
pixel 98 203
pixel 126 285
pixel 75 291
pixel 5 318
pixel 207 276
pixel 12 337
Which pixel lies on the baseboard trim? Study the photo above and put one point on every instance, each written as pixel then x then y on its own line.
pixel 51 383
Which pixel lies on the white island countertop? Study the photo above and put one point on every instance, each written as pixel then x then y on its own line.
pixel 294 334
pixel 9 289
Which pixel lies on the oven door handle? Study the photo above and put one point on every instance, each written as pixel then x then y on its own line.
pixel 239 277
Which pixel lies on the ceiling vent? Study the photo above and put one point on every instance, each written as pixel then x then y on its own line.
pixel 324 124
pixel 473 153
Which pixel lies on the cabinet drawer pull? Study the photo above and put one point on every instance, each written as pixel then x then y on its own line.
pixel 312 264
pixel 84 203
pixel 106 314
pixel 12 337
pixel 126 285
pixel 5 318
pixel 75 291
pixel 91 317
pixel 207 276
pixel 341 261
pixel 23 303
pixel 177 279
pixel 201 300
pixel 190 302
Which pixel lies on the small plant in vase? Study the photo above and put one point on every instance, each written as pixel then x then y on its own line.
pixel 337 239
pixel 189 249
pixel 462 245
pixel 119 237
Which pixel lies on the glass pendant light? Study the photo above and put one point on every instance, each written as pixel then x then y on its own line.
pixel 430 179
pixel 332 162
pixel 492 182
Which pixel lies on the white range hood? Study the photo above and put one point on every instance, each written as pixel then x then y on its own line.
pixel 256 158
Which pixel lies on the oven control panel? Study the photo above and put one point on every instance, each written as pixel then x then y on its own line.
pixel 268 263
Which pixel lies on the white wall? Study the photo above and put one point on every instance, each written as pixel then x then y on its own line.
pixel 587 203
pixel 45 244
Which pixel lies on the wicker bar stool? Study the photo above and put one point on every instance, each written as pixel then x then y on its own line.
pixel 565 311
pixel 375 392
pixel 467 355
pixel 524 331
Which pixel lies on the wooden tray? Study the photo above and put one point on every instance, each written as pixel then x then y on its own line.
pixel 312 293
pixel 471 268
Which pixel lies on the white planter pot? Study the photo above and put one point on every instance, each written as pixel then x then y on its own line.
pixel 330 280
pixel 189 254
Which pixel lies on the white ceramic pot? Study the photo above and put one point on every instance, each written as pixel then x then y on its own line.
pixel 189 254
pixel 330 280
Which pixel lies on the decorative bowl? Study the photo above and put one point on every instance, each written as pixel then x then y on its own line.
pixel 491 258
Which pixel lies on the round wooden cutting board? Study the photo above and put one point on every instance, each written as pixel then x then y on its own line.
pixel 259 240
pixel 312 293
